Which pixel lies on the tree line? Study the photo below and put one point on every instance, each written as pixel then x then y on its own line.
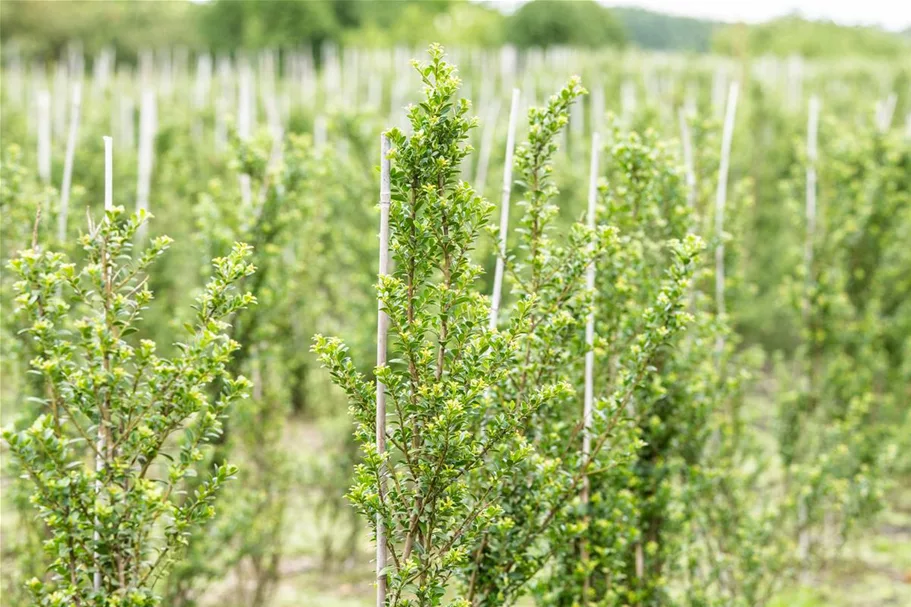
pixel 229 25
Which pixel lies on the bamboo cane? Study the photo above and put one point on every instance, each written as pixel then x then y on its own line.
pixel 588 398
pixel 245 114
pixel 108 174
pixel 222 103
pixel 590 322
pixel 99 460
pixel 886 109
pixel 381 334
pixel 504 209
pixel 686 138
pixel 59 99
pixel 577 128
pixel 727 136
pixel 147 127
pixel 44 136
pixel 597 107
pixel 13 85
pixel 490 129
pixel 68 161
pixel 627 103
pixel 803 540
pixel 320 132
pixel 812 155
pixel 127 138
pixel 689 166
pixel 718 84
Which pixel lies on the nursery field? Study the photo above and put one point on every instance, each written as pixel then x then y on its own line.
pixel 424 326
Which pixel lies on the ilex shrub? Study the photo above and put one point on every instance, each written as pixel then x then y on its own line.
pixel 444 362
pixel 841 404
pixel 541 530
pixel 121 428
pixel 248 535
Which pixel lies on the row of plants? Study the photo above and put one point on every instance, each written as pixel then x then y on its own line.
pixel 485 493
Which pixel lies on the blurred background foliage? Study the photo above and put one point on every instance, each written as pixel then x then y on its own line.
pixel 43 27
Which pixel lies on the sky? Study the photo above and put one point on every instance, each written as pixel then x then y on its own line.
pixel 889 14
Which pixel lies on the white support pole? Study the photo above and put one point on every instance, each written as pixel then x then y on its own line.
pixel 589 394
pixel 504 209
pixel 245 116
pixel 627 103
pixel 220 134
pixel 100 444
pixel 803 539
pixel 44 136
pixel 487 139
pixel 147 127
pixel 577 127
pixel 689 165
pixel 382 328
pixel 588 402
pixel 727 136
pixel 69 160
pixel 127 128
pixel 597 107
pixel 59 99
pixel 812 155
pixel 320 132
pixel 885 113
pixel 108 173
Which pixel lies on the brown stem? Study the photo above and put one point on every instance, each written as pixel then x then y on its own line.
pixel 479 553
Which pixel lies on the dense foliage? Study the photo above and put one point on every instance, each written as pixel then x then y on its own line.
pixel 115 527
pixel 749 344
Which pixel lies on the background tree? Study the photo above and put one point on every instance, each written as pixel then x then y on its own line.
pixel 794 35
pixel 578 23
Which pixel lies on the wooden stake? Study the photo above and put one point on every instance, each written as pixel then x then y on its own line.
pixel 504 209
pixel 382 328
